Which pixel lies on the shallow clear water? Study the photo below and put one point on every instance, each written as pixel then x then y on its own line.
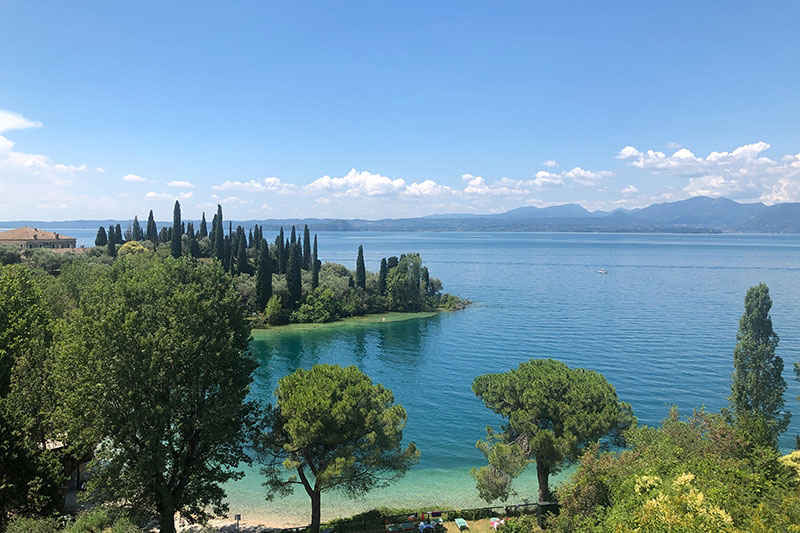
pixel 661 326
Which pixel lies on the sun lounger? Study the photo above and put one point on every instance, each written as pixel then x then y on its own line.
pixel 407 526
pixel 393 528
pixel 461 523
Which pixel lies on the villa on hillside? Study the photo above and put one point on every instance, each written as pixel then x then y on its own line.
pixel 26 238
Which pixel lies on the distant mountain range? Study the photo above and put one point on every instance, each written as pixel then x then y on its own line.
pixel 695 215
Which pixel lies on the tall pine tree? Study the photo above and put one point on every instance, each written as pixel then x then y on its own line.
pixel 361 271
pixel 294 237
pixel 176 230
pixel 241 252
pixel 203 226
pixel 118 234
pixel 758 385
pixel 102 238
pixel 382 276
pixel 111 244
pixel 219 237
pixel 306 248
pixel 294 280
pixel 263 276
pixel 314 266
pixel 137 230
pixel 152 231
pixel 281 248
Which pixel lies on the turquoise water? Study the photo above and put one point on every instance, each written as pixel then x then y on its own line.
pixel 661 326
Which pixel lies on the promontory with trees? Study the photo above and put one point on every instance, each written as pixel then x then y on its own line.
pixel 135 360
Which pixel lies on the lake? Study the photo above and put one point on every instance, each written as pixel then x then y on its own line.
pixel 661 326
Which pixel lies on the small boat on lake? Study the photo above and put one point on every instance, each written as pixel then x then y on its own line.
pixel 602 271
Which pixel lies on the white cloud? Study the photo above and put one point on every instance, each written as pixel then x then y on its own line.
pixel 152 195
pixel 550 163
pixel 14 121
pixel 742 173
pixel 100 169
pixel 630 189
pixel 266 185
pixel 427 188
pixel 180 184
pixel 357 184
pixel 133 178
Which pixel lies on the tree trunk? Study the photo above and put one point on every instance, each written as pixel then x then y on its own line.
pixel 543 475
pixel 315 511
pixel 166 518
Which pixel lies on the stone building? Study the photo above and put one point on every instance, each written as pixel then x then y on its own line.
pixel 26 238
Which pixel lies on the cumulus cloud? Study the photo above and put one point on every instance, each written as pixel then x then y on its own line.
pixel 742 173
pixel 550 163
pixel 356 183
pixel 133 178
pixel 152 195
pixel 630 189
pixel 266 185
pixel 180 184
pixel 14 121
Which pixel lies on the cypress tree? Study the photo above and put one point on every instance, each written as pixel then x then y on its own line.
pixel 382 276
pixel 190 228
pixel 194 246
pixel 219 238
pixel 241 255
pixel 152 231
pixel 228 254
pixel 250 238
pixel 102 238
pixel 118 234
pixel 176 230
pixel 163 235
pixel 306 248
pixel 282 253
pixel 294 237
pixel 168 235
pixel 392 262
pixel 263 277
pixel 425 286
pixel 137 229
pixel 314 266
pixel 758 386
pixel 203 226
pixel 294 280
pixel 111 244
pixel 361 271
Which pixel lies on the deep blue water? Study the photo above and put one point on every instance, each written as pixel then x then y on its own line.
pixel 661 326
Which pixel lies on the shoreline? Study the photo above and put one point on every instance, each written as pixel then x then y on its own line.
pixel 375 318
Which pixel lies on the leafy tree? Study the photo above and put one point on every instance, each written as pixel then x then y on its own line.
pixel 263 277
pixel 294 280
pixel 306 248
pixel 176 231
pixel 337 430
pixel 552 412
pixel 319 307
pixel 392 262
pixel 758 385
pixel 111 244
pixel 382 276
pixel 315 266
pixel 361 271
pixel 102 238
pixel 203 226
pixel 274 313
pixel 153 368
pixel 136 232
pixel 9 255
pixel 402 284
pixel 241 253
pixel 219 237
pixel 152 231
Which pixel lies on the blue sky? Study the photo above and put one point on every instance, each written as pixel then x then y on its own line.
pixel 379 109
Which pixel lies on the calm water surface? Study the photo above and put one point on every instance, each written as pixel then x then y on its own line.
pixel 661 326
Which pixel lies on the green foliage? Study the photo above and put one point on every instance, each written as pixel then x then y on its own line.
pixel 176 247
pixel 263 276
pixel 552 413
pixel 102 238
pixel 49 261
pixel 152 368
pixel 382 274
pixel 33 525
pixel 337 430
pixel 152 231
pixel 701 474
pixel 361 271
pixel 758 385
pixel 9 255
pixel 403 284
pixel 294 278
pixel 319 306
pixel 274 313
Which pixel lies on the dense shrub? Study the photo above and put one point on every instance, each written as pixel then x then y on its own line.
pixel 9 255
